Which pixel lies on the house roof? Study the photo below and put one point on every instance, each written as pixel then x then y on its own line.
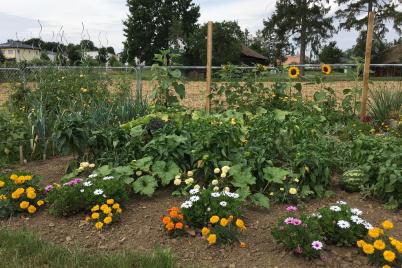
pixel 17 44
pixel 246 51
pixel 393 55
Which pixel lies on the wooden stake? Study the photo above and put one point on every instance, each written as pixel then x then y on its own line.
pixel 367 60
pixel 21 155
pixel 209 68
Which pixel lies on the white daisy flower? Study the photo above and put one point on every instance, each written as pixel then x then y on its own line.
pixel 93 176
pixel 82 190
pixel 223 203
pixel 87 183
pixel 194 191
pixel 194 198
pixel 215 194
pixel 335 208
pixel 340 202
pixel 235 195
pixel 98 192
pixel 343 224
pixel 367 225
pixel 317 215
pixel 356 219
pixel 108 178
pixel 187 204
pixel 356 211
pixel 209 209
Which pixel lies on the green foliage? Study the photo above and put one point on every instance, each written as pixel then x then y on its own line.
pixel 385 104
pixel 330 53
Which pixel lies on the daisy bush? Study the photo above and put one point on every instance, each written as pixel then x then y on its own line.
pixel 80 194
pixel 341 224
pixel 202 204
pixel 300 234
pixel 19 193
pixel 381 248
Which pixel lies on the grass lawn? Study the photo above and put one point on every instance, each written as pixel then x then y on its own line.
pixel 22 248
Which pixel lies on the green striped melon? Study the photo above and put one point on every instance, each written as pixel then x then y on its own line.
pixel 352 180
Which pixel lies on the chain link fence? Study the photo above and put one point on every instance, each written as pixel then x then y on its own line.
pixel 139 79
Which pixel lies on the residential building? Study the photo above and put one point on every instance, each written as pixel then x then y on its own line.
pixel 18 51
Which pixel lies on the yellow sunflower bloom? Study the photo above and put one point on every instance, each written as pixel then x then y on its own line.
pixel 293 72
pixel 326 69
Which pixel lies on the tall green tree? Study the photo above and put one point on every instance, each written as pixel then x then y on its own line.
pixel 331 53
pixel 378 49
pixel 306 22
pixel 2 58
pixel 354 15
pixel 227 40
pixel 152 26
pixel 102 55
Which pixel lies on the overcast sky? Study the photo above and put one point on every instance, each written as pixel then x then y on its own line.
pixel 102 19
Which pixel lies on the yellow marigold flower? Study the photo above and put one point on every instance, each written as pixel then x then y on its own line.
pixel 107 220
pixel 87 219
pixel 13 177
pixel 360 243
pixel 104 206
pixel 293 72
pixel 27 178
pixel 110 214
pixel 110 201
pixel 31 209
pixel 3 197
pixel 230 218
pixel 119 211
pixel 389 255
pixel 95 215
pixel 374 232
pixel 388 225
pixel 116 206
pixel 240 224
pixel 107 210
pixel 24 204
pixel 30 189
pixel 224 222
pixel 368 249
pixel 31 195
pixel 99 225
pixel 214 219
pixel 398 247
pixel 95 208
pixel 205 231
pixel 386 266
pixel 20 191
pixel 40 203
pixel 379 244
pixel 243 245
pixel 326 69
pixel 212 239
pixel 2 183
pixel 292 191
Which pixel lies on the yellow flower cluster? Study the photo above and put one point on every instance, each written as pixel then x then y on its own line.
pixel 224 222
pixel 103 214
pixel 389 246
pixel 19 179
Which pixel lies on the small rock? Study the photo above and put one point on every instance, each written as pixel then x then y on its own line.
pixel 68 239
pixel 52 224
pixel 232 265
pixel 122 240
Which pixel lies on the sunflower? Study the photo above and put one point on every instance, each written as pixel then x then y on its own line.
pixel 293 72
pixel 326 69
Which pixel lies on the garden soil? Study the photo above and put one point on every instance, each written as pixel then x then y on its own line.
pixel 140 229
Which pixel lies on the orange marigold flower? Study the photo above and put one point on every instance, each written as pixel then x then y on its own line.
pixel 205 231
pixel 165 220
pixel 179 225
pixel 170 226
pixel 173 213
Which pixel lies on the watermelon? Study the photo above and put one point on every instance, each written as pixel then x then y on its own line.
pixel 352 180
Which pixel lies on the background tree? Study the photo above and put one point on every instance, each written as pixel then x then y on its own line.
pixel 74 54
pixel 2 58
pixel 87 45
pixel 331 53
pixel 354 15
pixel 304 21
pixel 102 55
pixel 110 50
pixel 378 49
pixel 152 26
pixel 227 40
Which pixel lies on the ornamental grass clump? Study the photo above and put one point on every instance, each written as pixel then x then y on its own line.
pixel 381 248
pixel 342 225
pixel 103 215
pixel 174 223
pixel 19 193
pixel 300 234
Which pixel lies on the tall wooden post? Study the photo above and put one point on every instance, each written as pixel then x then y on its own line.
pixel 209 68
pixel 367 61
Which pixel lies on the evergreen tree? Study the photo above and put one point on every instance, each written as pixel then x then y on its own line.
pixel 152 26
pixel 331 53
pixel 2 58
pixel 304 21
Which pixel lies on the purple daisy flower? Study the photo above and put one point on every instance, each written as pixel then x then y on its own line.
pixel 289 220
pixel 291 208
pixel 296 221
pixel 317 245
pixel 48 188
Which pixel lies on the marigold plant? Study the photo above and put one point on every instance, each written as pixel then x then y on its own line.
pixel 102 215
pixel 223 230
pixel 19 193
pixel 174 222
pixel 381 248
